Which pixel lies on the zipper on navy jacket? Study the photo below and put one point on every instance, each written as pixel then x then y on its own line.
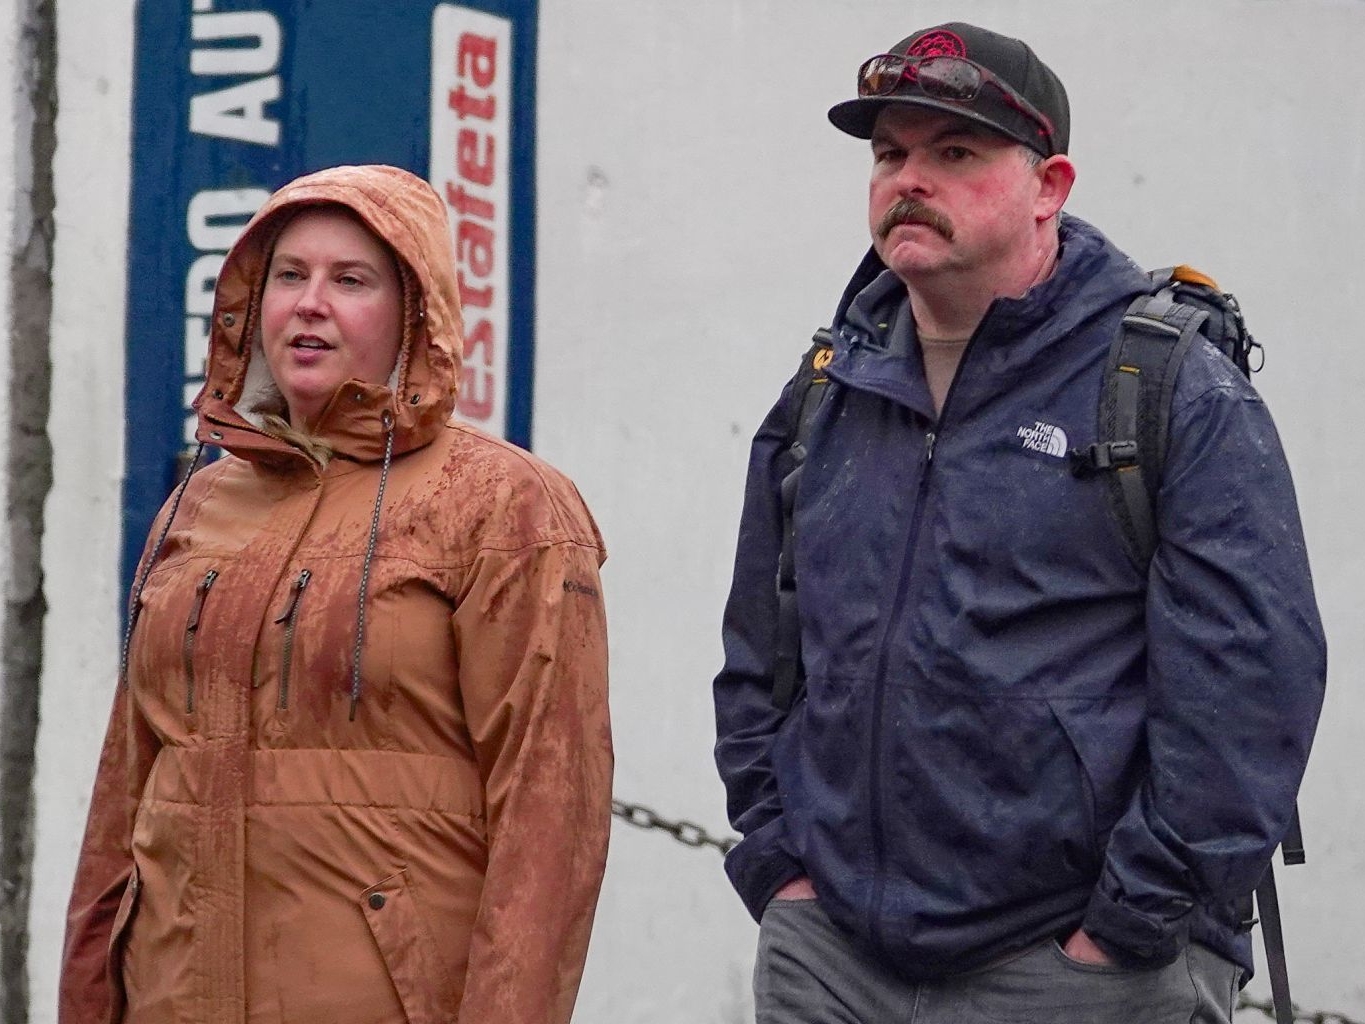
pixel 290 618
pixel 879 695
pixel 879 686
pixel 201 594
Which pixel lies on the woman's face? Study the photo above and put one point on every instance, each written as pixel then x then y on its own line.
pixel 332 310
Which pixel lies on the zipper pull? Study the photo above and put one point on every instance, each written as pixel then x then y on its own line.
pixel 929 439
pixel 201 594
pixel 290 619
pixel 295 592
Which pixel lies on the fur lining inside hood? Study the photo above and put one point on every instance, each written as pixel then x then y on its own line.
pixel 405 212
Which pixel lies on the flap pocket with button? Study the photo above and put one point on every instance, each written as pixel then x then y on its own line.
pixel 419 973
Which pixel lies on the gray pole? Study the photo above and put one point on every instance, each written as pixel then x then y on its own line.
pixel 29 477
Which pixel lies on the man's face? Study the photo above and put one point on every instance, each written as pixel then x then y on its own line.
pixel 947 196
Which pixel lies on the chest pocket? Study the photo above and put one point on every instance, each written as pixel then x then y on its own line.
pixel 288 619
pixel 303 674
pixel 167 663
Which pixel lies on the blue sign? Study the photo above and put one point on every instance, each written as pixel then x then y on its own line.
pixel 233 98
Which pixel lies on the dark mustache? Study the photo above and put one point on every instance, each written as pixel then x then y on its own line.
pixel 912 211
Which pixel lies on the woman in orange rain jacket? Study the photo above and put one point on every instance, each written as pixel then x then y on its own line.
pixel 359 764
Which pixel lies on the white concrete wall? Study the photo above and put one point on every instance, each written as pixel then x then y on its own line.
pixel 81 544
pixel 698 217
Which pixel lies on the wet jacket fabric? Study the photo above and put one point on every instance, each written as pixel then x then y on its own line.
pixel 1008 729
pixel 268 843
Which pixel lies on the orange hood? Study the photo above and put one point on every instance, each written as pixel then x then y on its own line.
pixel 403 211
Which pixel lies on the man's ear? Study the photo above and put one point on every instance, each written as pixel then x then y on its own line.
pixel 1056 175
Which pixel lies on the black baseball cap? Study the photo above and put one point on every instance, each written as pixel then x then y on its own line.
pixel 1010 60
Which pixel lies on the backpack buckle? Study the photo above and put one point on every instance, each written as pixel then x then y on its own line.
pixel 1102 457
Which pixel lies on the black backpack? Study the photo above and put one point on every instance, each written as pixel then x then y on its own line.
pixel 1134 418
pixel 1135 408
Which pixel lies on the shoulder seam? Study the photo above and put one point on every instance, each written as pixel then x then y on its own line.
pixel 542 469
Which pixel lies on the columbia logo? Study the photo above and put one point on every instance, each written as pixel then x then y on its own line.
pixel 1045 438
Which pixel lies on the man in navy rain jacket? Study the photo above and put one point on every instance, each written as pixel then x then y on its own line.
pixel 1025 779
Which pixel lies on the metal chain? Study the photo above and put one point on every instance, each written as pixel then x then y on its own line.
pixel 1245 1002
pixel 689 833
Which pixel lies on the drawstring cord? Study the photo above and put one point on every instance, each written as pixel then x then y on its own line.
pixel 135 602
pixel 369 557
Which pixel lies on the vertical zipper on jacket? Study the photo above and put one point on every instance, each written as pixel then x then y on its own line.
pixel 879 695
pixel 201 594
pixel 290 618
pixel 879 683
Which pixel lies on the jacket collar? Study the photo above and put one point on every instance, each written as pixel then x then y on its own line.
pixel 1091 276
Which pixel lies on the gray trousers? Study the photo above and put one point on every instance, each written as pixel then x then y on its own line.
pixel 808 972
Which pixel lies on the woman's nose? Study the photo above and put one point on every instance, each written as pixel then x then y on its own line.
pixel 312 301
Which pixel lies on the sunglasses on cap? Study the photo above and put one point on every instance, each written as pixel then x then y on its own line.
pixel 954 79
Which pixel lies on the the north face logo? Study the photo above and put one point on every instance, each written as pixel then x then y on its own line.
pixel 1045 438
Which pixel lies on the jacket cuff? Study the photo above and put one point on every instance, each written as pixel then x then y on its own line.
pixel 1134 938
pixel 759 866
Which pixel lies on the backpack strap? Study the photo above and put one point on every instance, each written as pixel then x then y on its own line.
pixel 808 389
pixel 1291 846
pixel 1135 412
pixel 1272 932
pixel 1134 420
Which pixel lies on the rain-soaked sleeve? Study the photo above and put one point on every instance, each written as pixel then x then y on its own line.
pixel 104 888
pixel 530 631
pixel 746 719
pixel 1236 673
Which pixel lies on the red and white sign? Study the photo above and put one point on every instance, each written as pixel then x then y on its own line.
pixel 471 138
